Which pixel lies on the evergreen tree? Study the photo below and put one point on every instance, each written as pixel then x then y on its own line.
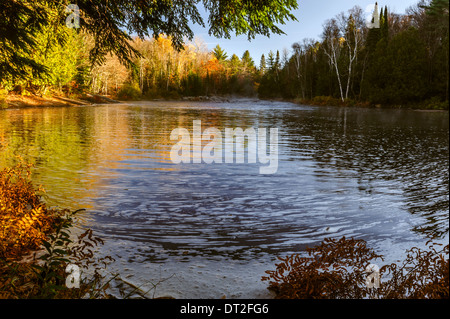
pixel 384 27
pixel 271 61
pixel 247 59
pixel 220 54
pixel 373 36
pixel 269 86
pixel 19 25
pixel 262 65
pixel 235 64
pixel 408 55
pixel 437 36
pixel 277 65
pixel 381 17
pixel 110 23
pixel 377 74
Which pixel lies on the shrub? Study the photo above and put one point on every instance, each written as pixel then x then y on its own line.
pixel 336 269
pixel 424 274
pixel 435 103
pixel 332 270
pixel 129 92
pixel 45 276
pixel 25 221
pixel 28 225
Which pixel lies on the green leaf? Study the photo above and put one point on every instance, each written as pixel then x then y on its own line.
pixel 61 252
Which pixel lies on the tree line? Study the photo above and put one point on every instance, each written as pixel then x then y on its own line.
pixel 39 54
pixel 159 70
pixel 402 60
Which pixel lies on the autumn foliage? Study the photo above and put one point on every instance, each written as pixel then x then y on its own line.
pixel 25 221
pixel 36 245
pixel 336 269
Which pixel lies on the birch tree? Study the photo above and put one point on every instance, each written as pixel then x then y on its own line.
pixel 352 28
pixel 343 37
pixel 333 43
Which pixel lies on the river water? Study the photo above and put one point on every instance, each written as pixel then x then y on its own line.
pixel 211 230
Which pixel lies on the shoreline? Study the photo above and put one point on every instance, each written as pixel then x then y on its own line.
pixel 30 101
pixel 425 106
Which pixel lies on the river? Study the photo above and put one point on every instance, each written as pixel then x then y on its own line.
pixel 211 230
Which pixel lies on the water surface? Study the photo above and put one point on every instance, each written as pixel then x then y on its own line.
pixel 379 175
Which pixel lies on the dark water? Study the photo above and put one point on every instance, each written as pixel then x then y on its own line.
pixel 380 175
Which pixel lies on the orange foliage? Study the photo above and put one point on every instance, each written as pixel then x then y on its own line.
pixel 24 219
pixel 213 66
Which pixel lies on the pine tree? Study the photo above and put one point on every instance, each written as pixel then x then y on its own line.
pixel 111 23
pixel 235 64
pixel 219 53
pixel 262 65
pixel 381 18
pixel 271 61
pixel 247 59
pixel 277 67
pixel 269 84
pixel 19 24
pixel 384 27
pixel 407 78
pixel 277 61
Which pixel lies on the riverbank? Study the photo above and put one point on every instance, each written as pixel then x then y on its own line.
pixel 26 101
pixel 431 104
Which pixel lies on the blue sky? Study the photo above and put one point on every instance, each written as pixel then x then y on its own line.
pixel 311 16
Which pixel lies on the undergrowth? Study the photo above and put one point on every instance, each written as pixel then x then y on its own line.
pixel 36 245
pixel 336 269
pixel 24 219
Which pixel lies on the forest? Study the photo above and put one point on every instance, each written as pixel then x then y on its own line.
pixel 401 62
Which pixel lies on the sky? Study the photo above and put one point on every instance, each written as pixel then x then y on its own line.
pixel 311 16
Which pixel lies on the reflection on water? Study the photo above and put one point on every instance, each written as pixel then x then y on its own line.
pixel 381 175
